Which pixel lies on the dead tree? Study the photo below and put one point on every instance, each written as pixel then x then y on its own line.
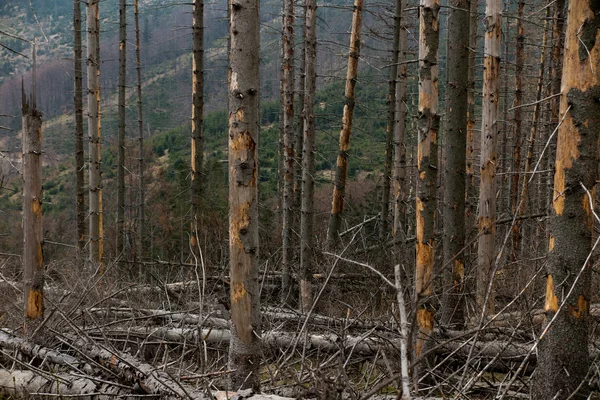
pixel 121 132
pixel 197 111
pixel 140 124
pixel 78 102
pixel 341 170
pixel 563 355
pixel 243 78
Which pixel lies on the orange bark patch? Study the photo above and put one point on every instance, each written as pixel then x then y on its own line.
pixel 193 154
pixel 238 292
pixel 459 272
pixel 34 304
pixel 558 200
pixel 36 207
pixel 240 222
pixel 588 208
pixel 551 243
pixel 424 268
pixel 582 308
pixel 551 303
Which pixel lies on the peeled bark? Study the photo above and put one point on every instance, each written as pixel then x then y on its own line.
pixel 78 103
pixel 197 111
pixel 563 352
pixel 140 124
pixel 341 171
pixel 121 134
pixel 243 79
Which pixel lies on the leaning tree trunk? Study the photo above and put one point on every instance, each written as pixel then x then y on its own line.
pixel 140 123
pixel 78 101
pixel 455 165
pixel 95 179
pixel 488 161
pixel 197 112
pixel 341 170
pixel 563 358
pixel 288 147
pixel 244 83
pixel 308 158
pixel 121 135
pixel 428 125
pixel 33 258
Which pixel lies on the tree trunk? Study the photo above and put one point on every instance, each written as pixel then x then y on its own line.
pixel 141 194
pixel 121 135
pixel 455 165
pixel 95 179
pixel 562 365
pixel 33 236
pixel 78 101
pixel 488 162
pixel 243 78
pixel 341 171
pixel 308 158
pixel 197 112
pixel 428 125
pixel 288 146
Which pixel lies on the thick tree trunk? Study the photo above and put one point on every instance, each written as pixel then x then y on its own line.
pixel 243 78
pixel 197 112
pixel 140 125
pixel 455 163
pixel 33 236
pixel 121 135
pixel 488 162
pixel 563 352
pixel 428 126
pixel 79 156
pixel 308 158
pixel 341 170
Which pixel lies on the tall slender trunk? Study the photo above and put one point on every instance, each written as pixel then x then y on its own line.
pixel 427 162
pixel 488 162
pixel 78 102
pixel 563 356
pixel 299 134
pixel 33 236
pixel 197 111
pixel 455 166
pixel 341 171
pixel 244 83
pixel 121 135
pixel 288 147
pixel 308 157
pixel 140 122
pixel 94 130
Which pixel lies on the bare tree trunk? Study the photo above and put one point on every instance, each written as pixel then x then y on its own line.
pixel 197 111
pixel 33 236
pixel 299 134
pixel 141 194
pixel 78 101
pixel 288 147
pixel 341 171
pixel 308 158
pixel 563 356
pixel 428 126
pixel 243 78
pixel 455 165
pixel 121 135
pixel 95 180
pixel 489 137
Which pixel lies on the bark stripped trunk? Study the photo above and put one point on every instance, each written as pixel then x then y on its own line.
pixel 197 113
pixel 341 171
pixel 140 122
pixel 78 101
pixel 470 190
pixel 243 78
pixel 488 162
pixel 299 134
pixel 121 135
pixel 288 146
pixel 563 352
pixel 428 125
pixel 455 165
pixel 308 158
pixel 95 179
pixel 33 258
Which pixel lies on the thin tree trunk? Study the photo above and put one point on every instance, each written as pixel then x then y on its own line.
pixel 428 126
pixel 308 158
pixel 95 179
pixel 299 134
pixel 341 171
pixel 197 111
pixel 244 83
pixel 455 165
pixel 489 137
pixel 563 356
pixel 121 135
pixel 33 236
pixel 288 146
pixel 141 194
pixel 79 156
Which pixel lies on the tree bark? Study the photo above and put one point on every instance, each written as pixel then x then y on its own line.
pixel 488 162
pixel 121 134
pixel 341 171
pixel 562 365
pixel 243 79
pixel 140 124
pixel 455 166
pixel 197 112
pixel 78 102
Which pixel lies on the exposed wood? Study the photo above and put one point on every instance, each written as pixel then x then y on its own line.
pixel 197 145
